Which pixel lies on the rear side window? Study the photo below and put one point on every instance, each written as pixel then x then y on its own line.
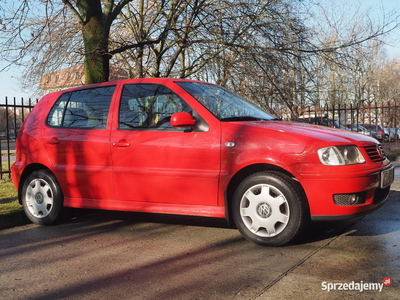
pixel 149 106
pixel 82 109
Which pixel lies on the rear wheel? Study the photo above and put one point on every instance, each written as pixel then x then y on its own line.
pixel 42 198
pixel 269 208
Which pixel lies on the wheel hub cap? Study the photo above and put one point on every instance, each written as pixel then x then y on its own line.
pixel 264 210
pixel 39 198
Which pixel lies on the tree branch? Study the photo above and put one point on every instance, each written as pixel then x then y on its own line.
pixel 73 10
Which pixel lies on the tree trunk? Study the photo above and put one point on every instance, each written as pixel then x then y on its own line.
pixel 97 59
pixel 95 36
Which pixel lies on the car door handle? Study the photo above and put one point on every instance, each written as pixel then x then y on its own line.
pixel 121 143
pixel 53 141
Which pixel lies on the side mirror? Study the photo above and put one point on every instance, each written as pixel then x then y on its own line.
pixel 182 119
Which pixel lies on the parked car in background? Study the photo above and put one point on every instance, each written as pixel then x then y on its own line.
pixel 178 146
pixel 376 132
pixel 323 121
pixel 392 133
pixel 357 128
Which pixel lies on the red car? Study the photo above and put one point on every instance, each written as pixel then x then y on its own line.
pixel 186 147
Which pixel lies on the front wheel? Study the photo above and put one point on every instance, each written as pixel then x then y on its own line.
pixel 42 197
pixel 269 208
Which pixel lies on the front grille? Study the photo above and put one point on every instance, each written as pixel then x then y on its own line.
pixel 375 153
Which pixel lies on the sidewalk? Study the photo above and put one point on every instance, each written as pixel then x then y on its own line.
pixel 351 265
pixel 396 184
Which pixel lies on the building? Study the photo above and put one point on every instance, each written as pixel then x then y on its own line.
pixel 71 77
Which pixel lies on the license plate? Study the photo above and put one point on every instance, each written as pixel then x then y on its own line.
pixel 387 177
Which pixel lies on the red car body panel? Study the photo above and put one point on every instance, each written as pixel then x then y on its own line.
pixel 293 147
pixel 189 172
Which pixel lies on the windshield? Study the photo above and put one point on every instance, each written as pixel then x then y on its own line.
pixel 223 104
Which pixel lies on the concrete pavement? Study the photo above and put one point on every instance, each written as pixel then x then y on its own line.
pixel 103 255
pixel 350 265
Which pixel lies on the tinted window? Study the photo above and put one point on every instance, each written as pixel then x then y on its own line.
pixel 56 114
pixel 82 109
pixel 149 106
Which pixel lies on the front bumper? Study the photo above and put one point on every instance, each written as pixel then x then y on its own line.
pixel 366 209
pixel 321 189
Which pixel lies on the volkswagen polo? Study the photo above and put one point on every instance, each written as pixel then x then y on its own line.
pixel 177 146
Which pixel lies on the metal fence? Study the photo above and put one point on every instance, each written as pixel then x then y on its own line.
pixel 13 112
pixel 381 121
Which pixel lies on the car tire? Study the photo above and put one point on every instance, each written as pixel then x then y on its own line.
pixel 42 198
pixel 270 209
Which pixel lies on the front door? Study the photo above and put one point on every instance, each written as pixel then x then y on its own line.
pixel 156 163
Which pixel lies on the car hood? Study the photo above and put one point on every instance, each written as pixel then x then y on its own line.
pixel 319 132
pixel 284 143
pixel 303 133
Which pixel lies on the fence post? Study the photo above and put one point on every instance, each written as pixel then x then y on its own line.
pixel 13 121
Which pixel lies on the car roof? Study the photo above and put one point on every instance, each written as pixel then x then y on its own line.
pixel 137 80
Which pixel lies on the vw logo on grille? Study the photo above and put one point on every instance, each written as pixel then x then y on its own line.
pixel 381 152
pixel 264 210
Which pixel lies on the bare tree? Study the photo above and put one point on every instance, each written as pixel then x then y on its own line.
pixel 350 51
pixel 45 32
pixel 163 32
pixel 280 53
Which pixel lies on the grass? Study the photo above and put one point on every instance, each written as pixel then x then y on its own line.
pixel 8 198
pixel 393 155
pixel 5 153
pixel 8 194
pixel 11 212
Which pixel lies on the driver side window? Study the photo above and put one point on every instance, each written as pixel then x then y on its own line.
pixel 149 106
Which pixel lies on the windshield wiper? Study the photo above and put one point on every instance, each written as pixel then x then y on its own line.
pixel 242 118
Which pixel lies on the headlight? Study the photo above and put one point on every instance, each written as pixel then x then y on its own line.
pixel 340 156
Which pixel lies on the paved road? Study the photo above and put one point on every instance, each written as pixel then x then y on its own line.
pixel 4 145
pixel 110 255
pixel 5 158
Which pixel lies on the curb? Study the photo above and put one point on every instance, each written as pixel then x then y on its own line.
pixel 13 219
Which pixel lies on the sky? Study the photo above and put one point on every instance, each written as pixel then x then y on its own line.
pixel 9 86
